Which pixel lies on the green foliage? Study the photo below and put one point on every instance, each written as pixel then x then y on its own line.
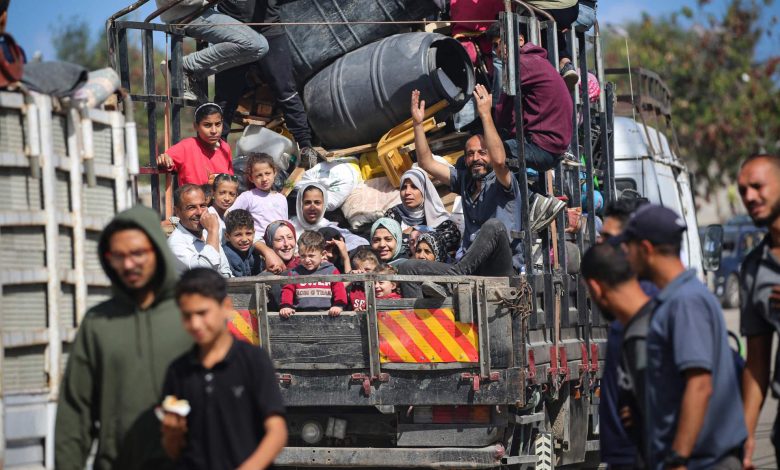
pixel 726 105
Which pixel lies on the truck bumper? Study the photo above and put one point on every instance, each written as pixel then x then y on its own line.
pixel 443 457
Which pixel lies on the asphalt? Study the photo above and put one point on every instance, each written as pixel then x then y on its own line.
pixel 764 455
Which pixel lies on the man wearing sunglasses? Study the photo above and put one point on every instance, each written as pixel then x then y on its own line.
pixel 118 360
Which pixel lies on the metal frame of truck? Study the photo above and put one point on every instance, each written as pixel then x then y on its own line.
pixel 546 377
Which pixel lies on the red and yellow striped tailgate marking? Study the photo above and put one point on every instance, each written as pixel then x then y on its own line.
pixel 425 336
pixel 243 325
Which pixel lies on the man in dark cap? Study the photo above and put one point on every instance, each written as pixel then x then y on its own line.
pixel 691 383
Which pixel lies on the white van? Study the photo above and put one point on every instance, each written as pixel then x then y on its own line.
pixel 645 162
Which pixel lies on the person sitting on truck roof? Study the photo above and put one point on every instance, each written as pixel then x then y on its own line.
pixel 491 199
pixel 564 12
pixel 387 241
pixel 236 417
pixel 117 362
pixel 230 46
pixel 198 159
pixel 547 111
pixel 238 246
pixel 310 206
pixel 421 205
pixel 276 70
pixel 195 241
pixel 692 384
pixel 312 296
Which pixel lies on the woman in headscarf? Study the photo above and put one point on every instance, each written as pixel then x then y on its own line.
pixel 421 205
pixel 310 214
pixel 386 241
pixel 280 237
pixel 429 248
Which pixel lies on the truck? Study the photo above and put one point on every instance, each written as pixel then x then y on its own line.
pixel 503 372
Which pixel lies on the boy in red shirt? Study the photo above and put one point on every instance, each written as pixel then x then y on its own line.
pixel 198 159
pixel 313 296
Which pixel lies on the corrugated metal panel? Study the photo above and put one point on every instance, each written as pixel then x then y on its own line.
pixel 11 130
pixel 23 369
pixel 22 247
pixel 59 132
pixel 99 201
pixel 24 306
pixel 65 248
pixel 21 191
pixel 91 259
pixel 95 295
pixel 102 143
pixel 67 305
pixel 62 191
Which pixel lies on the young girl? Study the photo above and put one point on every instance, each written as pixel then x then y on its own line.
pixel 196 159
pixel 224 192
pixel 386 289
pixel 265 204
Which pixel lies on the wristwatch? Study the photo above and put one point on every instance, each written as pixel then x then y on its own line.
pixel 673 459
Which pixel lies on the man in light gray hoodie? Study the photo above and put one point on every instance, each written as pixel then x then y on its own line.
pixel 231 44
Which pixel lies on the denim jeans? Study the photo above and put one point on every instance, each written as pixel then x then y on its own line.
pixel 535 157
pixel 489 255
pixel 231 45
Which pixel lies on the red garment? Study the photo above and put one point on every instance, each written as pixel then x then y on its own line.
pixel 357 297
pixel 391 295
pixel 547 104
pixel 484 11
pixel 195 160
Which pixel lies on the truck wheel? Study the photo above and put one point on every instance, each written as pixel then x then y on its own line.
pixel 731 292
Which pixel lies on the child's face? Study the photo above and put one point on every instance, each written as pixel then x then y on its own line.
pixel 225 195
pixel 209 129
pixel 311 258
pixel 423 251
pixel 384 288
pixel 242 238
pixel 204 318
pixel 365 265
pixel 263 176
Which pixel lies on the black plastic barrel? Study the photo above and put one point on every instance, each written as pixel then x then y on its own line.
pixel 314 47
pixel 365 93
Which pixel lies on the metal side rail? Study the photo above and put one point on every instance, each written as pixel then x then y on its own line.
pixel 412 457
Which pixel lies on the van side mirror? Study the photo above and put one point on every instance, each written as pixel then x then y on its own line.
pixel 712 248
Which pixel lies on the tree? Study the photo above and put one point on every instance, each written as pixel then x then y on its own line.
pixel 725 103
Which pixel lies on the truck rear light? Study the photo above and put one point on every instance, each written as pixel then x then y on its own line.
pixel 452 414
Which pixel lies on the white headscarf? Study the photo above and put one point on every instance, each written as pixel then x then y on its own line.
pixel 299 221
pixel 433 208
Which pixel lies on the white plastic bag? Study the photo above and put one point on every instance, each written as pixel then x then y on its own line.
pixel 260 139
pixel 340 177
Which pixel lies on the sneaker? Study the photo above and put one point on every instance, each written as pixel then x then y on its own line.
pixel 309 157
pixel 192 90
pixel 544 211
pixel 570 76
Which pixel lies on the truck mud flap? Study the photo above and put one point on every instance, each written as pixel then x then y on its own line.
pixel 443 457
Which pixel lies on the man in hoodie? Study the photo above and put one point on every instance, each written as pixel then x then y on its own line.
pixel 115 371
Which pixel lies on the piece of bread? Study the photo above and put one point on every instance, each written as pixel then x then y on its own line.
pixel 171 404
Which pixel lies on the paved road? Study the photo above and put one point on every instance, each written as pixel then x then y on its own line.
pixel 764 456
